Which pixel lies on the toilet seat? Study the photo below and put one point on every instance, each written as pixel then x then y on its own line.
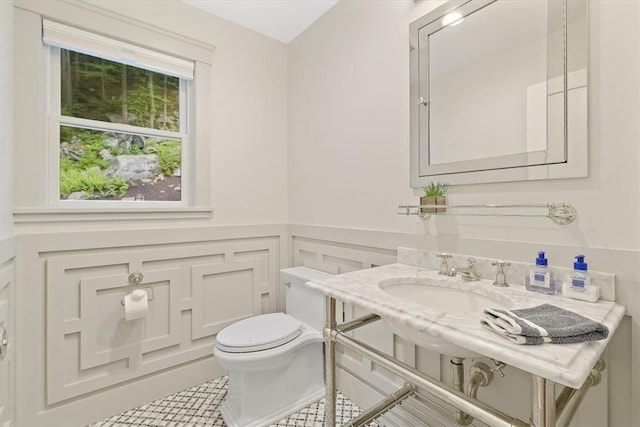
pixel 259 333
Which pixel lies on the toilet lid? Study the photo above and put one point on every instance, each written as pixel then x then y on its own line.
pixel 259 333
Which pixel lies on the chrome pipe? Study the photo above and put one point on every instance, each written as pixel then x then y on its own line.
pixel 570 398
pixel 543 410
pixel 477 409
pixel 383 406
pixel 563 398
pixel 330 363
pixel 457 382
pixel 463 418
pixel 457 373
pixel 358 323
pixel 480 376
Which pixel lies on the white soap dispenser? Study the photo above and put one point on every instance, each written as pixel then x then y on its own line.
pixel 578 283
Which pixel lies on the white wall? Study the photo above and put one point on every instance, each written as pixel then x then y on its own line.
pixel 247 118
pixel 7 246
pixel 78 360
pixel 6 118
pixel 349 157
pixel 348 150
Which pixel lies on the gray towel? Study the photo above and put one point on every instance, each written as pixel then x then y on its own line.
pixel 544 323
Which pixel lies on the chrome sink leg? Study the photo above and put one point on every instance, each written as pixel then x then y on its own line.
pixel 330 364
pixel 543 409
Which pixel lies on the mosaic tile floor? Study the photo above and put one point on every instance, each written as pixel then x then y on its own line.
pixel 199 406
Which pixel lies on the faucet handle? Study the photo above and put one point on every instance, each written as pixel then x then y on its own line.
pixel 471 261
pixel 501 276
pixel 444 266
pixel 497 366
pixel 501 263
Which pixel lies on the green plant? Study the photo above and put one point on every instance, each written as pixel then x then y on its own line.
pixel 93 181
pixel 169 156
pixel 90 181
pixel 435 189
pixel 116 187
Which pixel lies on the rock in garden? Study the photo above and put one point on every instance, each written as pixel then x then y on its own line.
pixel 112 142
pixel 138 141
pixel 106 154
pixel 134 167
pixel 77 195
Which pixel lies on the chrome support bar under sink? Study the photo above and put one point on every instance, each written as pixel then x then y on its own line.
pixel 547 411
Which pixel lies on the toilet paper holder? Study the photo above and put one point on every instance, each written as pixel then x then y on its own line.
pixel 135 279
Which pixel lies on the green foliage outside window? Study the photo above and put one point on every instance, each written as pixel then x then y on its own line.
pixel 106 91
pixel 169 156
pixel 91 181
pixel 99 89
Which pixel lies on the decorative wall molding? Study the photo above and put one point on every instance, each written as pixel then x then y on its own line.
pixel 86 215
pixel 7 249
pixel 7 322
pixel 337 250
pixel 90 346
pixel 89 357
pixel 340 257
pixel 77 344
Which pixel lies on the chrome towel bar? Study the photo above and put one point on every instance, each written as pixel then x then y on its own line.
pixel 560 213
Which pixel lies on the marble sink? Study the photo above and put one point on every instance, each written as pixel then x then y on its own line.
pixel 436 293
pixel 443 313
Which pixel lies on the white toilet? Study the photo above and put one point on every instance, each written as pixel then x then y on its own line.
pixel 275 361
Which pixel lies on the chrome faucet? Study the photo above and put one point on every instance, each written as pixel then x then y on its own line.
pixel 444 265
pixel 501 276
pixel 469 273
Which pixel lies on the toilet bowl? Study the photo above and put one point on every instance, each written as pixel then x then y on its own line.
pixel 275 360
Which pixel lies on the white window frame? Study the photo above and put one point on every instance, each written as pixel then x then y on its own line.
pixel 186 135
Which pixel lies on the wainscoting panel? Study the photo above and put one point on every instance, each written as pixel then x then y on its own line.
pixel 7 324
pixel 339 257
pixel 91 346
pixel 337 250
pixel 201 281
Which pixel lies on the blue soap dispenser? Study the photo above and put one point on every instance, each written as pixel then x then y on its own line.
pixel 578 283
pixel 540 278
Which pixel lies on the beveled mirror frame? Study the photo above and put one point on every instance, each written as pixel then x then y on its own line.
pixel 574 133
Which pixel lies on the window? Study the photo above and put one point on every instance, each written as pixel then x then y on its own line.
pixel 119 119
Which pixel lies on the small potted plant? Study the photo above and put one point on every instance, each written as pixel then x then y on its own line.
pixel 434 194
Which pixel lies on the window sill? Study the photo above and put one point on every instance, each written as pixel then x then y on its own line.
pixel 75 215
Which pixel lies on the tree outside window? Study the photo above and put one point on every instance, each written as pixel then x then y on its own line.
pixel 122 131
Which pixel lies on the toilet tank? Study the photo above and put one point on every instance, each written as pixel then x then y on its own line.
pixel 303 303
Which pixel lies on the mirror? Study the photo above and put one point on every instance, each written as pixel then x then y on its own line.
pixel 499 91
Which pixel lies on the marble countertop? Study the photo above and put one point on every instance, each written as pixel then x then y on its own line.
pixel 566 364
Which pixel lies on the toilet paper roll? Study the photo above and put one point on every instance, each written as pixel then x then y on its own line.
pixel 136 305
